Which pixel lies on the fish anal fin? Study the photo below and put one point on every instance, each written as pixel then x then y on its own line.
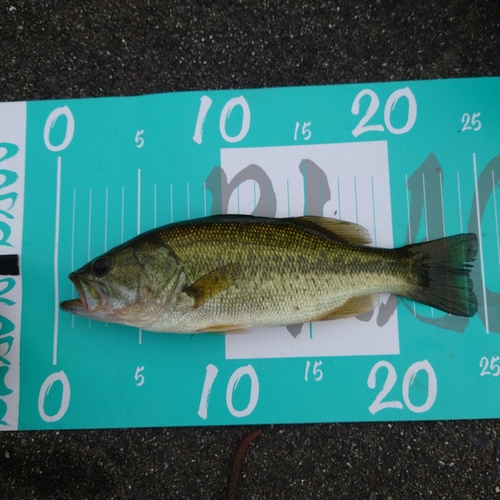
pixel 346 232
pixel 351 307
pixel 225 329
pixel 212 284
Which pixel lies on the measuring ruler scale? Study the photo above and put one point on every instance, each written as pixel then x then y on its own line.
pixel 409 161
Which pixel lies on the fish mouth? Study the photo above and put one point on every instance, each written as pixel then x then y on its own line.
pixel 91 297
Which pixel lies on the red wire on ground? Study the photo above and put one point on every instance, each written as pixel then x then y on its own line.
pixel 236 464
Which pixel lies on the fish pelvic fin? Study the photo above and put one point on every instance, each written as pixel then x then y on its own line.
pixel 342 231
pixel 212 284
pixel 440 272
pixel 351 307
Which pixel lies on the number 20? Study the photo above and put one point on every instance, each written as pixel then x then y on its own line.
pixel 378 404
pixel 362 126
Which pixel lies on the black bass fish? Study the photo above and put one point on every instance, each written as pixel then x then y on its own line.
pixel 230 272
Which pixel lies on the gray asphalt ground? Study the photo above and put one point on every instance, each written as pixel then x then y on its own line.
pixel 70 49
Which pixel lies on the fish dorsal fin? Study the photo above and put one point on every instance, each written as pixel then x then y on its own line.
pixel 343 231
pixel 352 307
pixel 211 284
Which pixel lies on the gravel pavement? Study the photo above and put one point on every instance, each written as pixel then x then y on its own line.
pixel 69 49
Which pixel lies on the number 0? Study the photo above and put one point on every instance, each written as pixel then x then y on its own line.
pixel 226 112
pixel 391 104
pixel 254 391
pixel 431 386
pixel 51 121
pixel 44 391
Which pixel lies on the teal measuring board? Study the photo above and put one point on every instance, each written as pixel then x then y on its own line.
pixel 410 161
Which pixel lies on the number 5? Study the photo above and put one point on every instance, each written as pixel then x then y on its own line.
pixel 138 139
pixel 139 376
pixel 495 369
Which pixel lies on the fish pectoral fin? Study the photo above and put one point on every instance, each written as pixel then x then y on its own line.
pixel 343 231
pixel 351 307
pixel 211 284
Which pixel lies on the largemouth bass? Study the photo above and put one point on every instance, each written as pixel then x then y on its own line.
pixel 230 272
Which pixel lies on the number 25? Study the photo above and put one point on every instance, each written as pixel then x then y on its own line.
pixel 471 123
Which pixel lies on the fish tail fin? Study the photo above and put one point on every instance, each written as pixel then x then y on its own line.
pixel 440 274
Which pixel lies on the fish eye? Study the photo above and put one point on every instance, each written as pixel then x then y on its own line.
pixel 100 267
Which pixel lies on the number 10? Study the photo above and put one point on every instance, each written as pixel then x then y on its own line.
pixel 210 377
pixel 205 104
